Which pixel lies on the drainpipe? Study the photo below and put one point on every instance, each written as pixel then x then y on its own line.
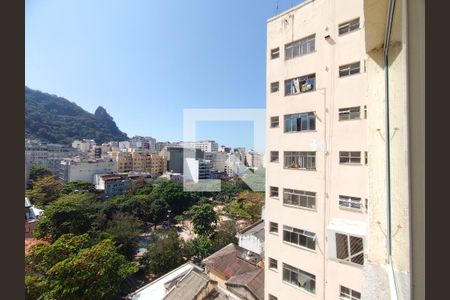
pixel 387 41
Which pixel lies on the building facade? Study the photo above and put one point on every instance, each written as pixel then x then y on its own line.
pixel 317 152
pixel 71 169
pixel 206 146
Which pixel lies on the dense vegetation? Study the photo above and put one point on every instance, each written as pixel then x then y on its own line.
pixel 57 120
pixel 92 244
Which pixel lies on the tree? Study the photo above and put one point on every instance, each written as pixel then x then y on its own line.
pixel 198 248
pixel 225 235
pixel 43 256
pixel 125 230
pixel 247 205
pixel 164 255
pixel 78 186
pixel 172 192
pixel 93 273
pixel 75 213
pixel 45 190
pixel 138 206
pixel 159 210
pixel 38 171
pixel 203 217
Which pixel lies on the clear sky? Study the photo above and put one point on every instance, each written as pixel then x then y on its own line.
pixel 146 61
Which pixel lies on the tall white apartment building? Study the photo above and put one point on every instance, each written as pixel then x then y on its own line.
pixel 344 207
pixel 317 173
pixel 207 146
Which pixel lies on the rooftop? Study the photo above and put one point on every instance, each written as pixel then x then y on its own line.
pixel 189 286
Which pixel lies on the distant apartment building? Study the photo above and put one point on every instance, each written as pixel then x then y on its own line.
pixel 206 146
pixel 46 155
pixel 224 149
pixel 218 160
pixel 254 159
pixel 124 161
pixel 111 184
pixel 178 177
pixel 175 156
pixel 139 161
pixel 83 145
pixel 72 169
pixel 336 152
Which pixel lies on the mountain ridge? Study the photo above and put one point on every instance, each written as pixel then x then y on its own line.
pixel 55 119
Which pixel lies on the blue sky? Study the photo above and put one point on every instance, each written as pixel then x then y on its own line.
pixel 146 61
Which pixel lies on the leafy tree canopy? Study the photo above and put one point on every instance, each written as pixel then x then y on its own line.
pixel 203 217
pixel 164 255
pixel 75 213
pixel 45 190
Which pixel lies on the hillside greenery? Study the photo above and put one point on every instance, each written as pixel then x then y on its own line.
pixel 54 119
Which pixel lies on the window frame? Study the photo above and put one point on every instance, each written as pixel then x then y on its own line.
pixel 349 26
pixel 272 297
pixel 274 87
pixel 272 191
pixel 303 81
pixel 306 159
pixel 291 270
pixel 300 47
pixel 348 295
pixel 277 122
pixel 271 262
pixel 351 155
pixel 273 225
pixel 275 53
pixel 350 256
pixel 292 120
pixel 272 156
pixel 308 197
pixel 308 237
pixel 353 68
pixel 343 200
pixel 354 111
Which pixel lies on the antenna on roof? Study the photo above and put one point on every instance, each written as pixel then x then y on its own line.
pixel 276 10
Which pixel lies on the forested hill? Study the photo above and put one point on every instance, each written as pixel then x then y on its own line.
pixel 54 119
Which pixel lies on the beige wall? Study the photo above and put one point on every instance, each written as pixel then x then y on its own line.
pixel 330 179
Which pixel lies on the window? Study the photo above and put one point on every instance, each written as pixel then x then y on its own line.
pixel 349 69
pixel 275 53
pixel 349 26
pixel 272 297
pixel 299 237
pixel 274 192
pixel 273 263
pixel 365 111
pixel 349 157
pixel 346 293
pixel 274 122
pixel 349 248
pixel 299 198
pixel 300 47
pixel 300 160
pixel 274 156
pixel 300 122
pixel 349 113
pixel 274 87
pixel 273 227
pixel 299 278
pixel 299 85
pixel 350 202
pixel 366 158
